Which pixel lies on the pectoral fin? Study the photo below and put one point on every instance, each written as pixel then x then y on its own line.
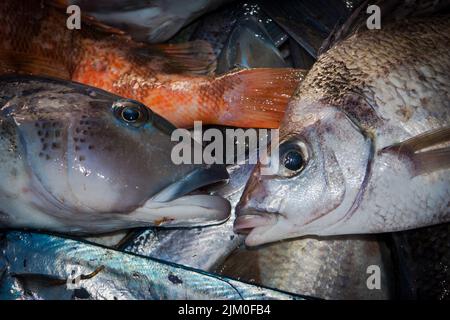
pixel 429 151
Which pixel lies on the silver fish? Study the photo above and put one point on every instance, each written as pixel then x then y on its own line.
pixel 39 266
pixel 364 142
pixel 153 21
pixel 324 268
pixel 81 160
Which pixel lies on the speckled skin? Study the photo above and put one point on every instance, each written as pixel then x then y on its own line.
pixel 69 163
pixel 375 89
pixel 169 79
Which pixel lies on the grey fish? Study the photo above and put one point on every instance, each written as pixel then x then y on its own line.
pixel 153 21
pixel 78 159
pixel 309 22
pixel 364 142
pixel 249 44
pixel 202 248
pixel 39 266
pixel 324 268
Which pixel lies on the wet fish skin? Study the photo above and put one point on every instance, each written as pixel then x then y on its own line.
pixel 70 162
pixel 331 268
pixel 153 21
pixel 37 258
pixel 171 79
pixel 201 248
pixel 349 121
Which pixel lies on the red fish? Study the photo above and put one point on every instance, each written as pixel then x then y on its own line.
pixel 169 79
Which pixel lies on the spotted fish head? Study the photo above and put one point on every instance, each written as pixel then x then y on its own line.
pixel 90 153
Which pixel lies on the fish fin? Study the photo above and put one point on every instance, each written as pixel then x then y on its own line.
pixel 257 98
pixel 195 57
pixel 16 62
pixel 307 22
pixel 426 151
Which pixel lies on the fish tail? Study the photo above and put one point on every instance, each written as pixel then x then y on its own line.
pixel 256 98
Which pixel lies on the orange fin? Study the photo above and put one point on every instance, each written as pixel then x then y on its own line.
pixel 257 98
pixel 429 151
pixel 195 57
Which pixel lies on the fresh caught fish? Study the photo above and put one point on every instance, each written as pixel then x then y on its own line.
pixel 46 267
pixel 35 41
pixel 205 248
pixel 153 21
pixel 364 143
pixel 79 159
pixel 327 268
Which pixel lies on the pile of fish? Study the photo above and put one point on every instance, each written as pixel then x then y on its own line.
pixel 92 206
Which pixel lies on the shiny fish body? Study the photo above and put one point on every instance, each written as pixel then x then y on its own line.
pixel 36 258
pixel 171 79
pixel 333 268
pixel 71 161
pixel 354 124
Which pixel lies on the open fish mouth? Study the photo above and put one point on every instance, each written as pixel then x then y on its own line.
pixel 183 204
pixel 250 223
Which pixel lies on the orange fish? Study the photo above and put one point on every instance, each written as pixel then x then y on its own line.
pixel 170 79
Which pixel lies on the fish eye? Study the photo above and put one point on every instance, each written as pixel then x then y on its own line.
pixel 131 112
pixel 293 158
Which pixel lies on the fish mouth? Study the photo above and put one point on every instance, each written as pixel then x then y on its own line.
pixel 247 223
pixel 182 204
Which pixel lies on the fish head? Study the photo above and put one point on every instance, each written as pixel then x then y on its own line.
pixel 91 153
pixel 323 156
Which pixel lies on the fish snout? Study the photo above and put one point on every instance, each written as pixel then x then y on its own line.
pixel 252 210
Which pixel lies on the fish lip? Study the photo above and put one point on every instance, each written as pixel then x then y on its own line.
pixel 248 222
pixel 196 210
pixel 196 179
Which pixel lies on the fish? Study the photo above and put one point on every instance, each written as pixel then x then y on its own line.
pixel 364 142
pixel 77 159
pixel 249 44
pixel 202 248
pixel 152 21
pixel 422 257
pixel 173 80
pixel 44 267
pixel 205 248
pixel 335 268
pixel 308 22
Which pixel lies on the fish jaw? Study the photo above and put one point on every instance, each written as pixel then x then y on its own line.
pixel 186 211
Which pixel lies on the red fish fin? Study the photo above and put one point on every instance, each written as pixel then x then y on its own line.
pixel 429 151
pixel 257 98
pixel 195 57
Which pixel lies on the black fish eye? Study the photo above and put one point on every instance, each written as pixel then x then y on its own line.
pixel 131 112
pixel 293 160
